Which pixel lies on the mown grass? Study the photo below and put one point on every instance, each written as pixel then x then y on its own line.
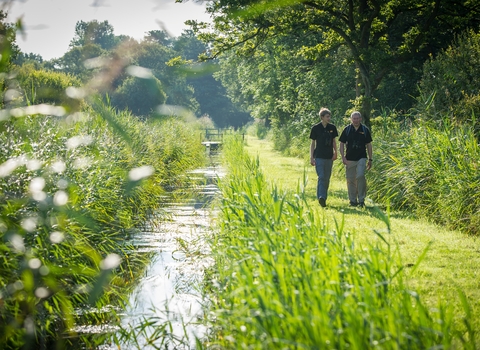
pixel 290 274
pixel 452 261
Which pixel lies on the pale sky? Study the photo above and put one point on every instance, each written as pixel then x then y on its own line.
pixel 50 24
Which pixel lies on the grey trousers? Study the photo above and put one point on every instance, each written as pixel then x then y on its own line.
pixel 356 182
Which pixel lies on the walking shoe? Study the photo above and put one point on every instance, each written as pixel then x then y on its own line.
pixel 353 204
pixel 361 204
pixel 322 202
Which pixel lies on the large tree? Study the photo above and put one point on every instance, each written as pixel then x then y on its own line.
pixel 380 35
pixel 286 89
pixel 73 61
pixel 94 32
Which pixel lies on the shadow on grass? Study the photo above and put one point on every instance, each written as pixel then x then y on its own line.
pixel 369 209
pixel 347 209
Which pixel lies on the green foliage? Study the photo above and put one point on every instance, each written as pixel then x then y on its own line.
pixel 175 78
pixel 283 279
pixel 379 38
pixel 189 46
pixel 40 86
pixel 73 61
pixel 453 77
pixel 452 73
pixel 23 58
pixel 8 48
pixel 140 96
pixel 431 169
pixel 156 58
pixel 213 101
pixel 289 91
pixel 467 111
pixel 258 129
pixel 158 36
pixel 73 191
pixel 94 32
pixel 208 91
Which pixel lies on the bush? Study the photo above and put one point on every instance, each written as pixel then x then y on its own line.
pixel 258 129
pixel 40 86
pixel 453 77
pixel 140 96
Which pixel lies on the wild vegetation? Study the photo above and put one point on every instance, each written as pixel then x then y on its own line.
pixel 289 275
pixel 176 78
pixel 92 140
pixel 74 190
pixel 285 60
pixel 78 178
pixel 430 169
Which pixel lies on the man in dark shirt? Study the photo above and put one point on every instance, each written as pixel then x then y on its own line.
pixel 323 151
pixel 358 139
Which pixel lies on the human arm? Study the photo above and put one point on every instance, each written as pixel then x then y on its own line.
pixel 312 151
pixel 334 149
pixel 370 155
pixel 342 153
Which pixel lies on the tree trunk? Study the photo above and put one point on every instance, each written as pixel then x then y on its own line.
pixel 366 109
pixel 364 94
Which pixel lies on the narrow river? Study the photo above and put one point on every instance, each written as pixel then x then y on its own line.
pixel 167 295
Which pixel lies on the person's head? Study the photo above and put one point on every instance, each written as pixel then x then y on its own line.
pixel 325 115
pixel 356 118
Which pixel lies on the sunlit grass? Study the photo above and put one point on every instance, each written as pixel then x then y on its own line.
pixel 291 274
pixel 451 263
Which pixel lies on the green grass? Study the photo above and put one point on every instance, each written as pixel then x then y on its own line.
pixel 453 260
pixel 290 274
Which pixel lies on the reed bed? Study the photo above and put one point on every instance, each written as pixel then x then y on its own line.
pixel 283 278
pixel 73 190
pixel 432 170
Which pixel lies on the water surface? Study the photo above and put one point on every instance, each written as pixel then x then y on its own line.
pixel 168 293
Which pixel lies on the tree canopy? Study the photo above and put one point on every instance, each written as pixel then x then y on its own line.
pixel 165 71
pixel 94 32
pixel 380 36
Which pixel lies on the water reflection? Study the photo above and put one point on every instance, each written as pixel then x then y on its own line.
pixel 166 294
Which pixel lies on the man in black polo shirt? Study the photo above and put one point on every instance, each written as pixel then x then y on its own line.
pixel 358 139
pixel 323 151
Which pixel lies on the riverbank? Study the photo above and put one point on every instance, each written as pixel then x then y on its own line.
pixel 74 191
pixel 289 273
pixel 165 308
pixel 451 263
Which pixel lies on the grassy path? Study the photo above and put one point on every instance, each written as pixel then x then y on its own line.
pixel 451 263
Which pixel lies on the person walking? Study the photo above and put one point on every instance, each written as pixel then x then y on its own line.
pixel 357 159
pixel 323 151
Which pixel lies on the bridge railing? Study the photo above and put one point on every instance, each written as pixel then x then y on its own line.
pixel 213 135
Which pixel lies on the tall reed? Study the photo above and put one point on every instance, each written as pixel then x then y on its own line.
pixel 431 169
pixel 283 279
pixel 73 190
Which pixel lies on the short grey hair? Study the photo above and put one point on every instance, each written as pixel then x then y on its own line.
pixel 356 113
